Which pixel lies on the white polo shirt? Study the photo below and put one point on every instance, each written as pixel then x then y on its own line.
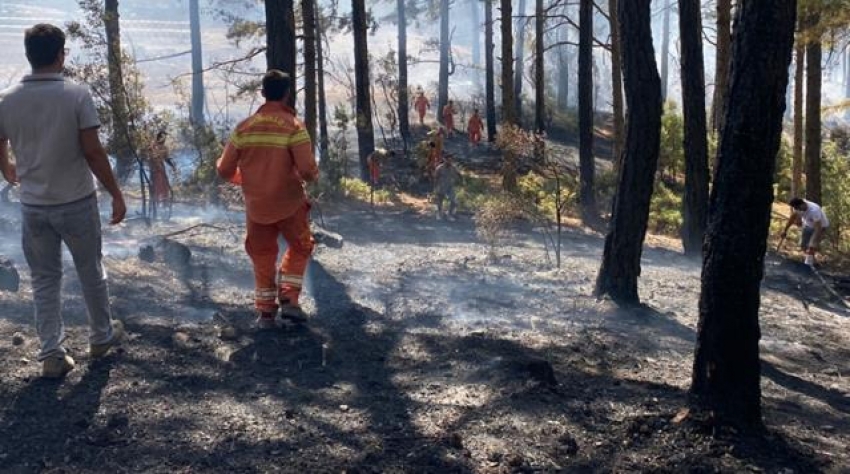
pixel 42 118
pixel 812 214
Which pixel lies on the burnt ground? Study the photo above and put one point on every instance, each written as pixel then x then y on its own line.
pixel 423 354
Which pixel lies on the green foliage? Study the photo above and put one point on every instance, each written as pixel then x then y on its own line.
pixel 542 191
pixel 671 157
pixel 665 210
pixel 836 191
pixel 472 192
pixel 782 179
pixel 357 189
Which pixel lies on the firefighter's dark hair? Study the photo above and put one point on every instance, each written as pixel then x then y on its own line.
pixel 276 84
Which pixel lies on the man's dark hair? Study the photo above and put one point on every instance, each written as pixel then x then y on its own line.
pixel 796 203
pixel 276 85
pixel 43 43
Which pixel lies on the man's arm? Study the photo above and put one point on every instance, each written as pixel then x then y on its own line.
pixel 793 219
pixel 99 164
pixel 302 154
pixel 228 165
pixel 8 169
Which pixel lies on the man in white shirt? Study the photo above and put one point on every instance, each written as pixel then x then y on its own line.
pixel 52 125
pixel 814 222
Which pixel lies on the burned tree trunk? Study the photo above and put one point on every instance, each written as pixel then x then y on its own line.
pixel 443 83
pixel 539 65
pixel 120 139
pixel 721 68
pixel 799 87
pixel 814 85
pixel 365 129
pixel 280 37
pixel 624 243
pixel 403 99
pixel 696 142
pixel 616 84
pixel 489 47
pixel 726 375
pixel 308 12
pixel 587 163
pixel 324 140
pixel 508 111
pixel 197 114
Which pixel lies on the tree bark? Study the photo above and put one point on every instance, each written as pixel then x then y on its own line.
pixel 365 129
pixel 443 86
pixel 696 142
pixel 403 99
pixel 624 242
pixel 721 71
pixel 814 83
pixel 490 80
pixel 508 111
pixel 197 113
pixel 726 376
pixel 119 141
pixel 280 37
pixel 519 65
pixel 308 13
pixel 587 163
pixel 665 49
pixel 616 85
pixel 539 65
pixel 799 88
pixel 324 139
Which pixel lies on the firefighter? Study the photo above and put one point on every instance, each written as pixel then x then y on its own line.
pixel 446 177
pixel 158 156
pixel 421 105
pixel 375 160
pixel 271 157
pixel 474 128
pixel 449 118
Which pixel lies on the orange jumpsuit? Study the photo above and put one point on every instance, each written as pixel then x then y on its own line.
pixel 449 119
pixel 271 156
pixel 474 128
pixel 421 105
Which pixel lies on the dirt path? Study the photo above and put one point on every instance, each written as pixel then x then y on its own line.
pixel 422 356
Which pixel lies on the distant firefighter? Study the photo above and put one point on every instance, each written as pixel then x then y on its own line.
pixel 421 105
pixel 474 127
pixel 375 161
pixel 271 156
pixel 158 156
pixel 446 177
pixel 449 118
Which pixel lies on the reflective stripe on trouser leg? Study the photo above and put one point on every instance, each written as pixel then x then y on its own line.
pixel 261 245
pixel 300 244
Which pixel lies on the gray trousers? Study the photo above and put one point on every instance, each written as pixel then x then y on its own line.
pixel 44 229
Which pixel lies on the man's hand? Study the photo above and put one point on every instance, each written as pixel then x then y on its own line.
pixel 119 209
pixel 10 174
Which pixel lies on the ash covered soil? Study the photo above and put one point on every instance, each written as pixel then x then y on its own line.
pixel 422 355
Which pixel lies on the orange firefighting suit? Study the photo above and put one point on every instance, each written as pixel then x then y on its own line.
pixel 421 104
pixel 449 119
pixel 474 127
pixel 271 156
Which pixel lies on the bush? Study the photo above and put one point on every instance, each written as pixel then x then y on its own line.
pixel 472 192
pixel 836 192
pixel 665 210
pixel 671 157
pixel 495 216
pixel 358 189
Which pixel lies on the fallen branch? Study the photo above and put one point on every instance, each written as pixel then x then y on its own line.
pixel 189 229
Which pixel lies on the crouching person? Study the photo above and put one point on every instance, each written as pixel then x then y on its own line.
pixel 271 157
pixel 52 125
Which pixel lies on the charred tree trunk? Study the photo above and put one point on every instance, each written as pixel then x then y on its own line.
pixel 696 141
pixel 324 139
pixel 308 12
pixel 519 65
pixel 814 83
pixel 721 70
pixel 280 37
pixel 120 139
pixel 616 85
pixel 508 111
pixel 365 129
pixel 587 163
pixel 509 172
pixel 726 375
pixel 624 243
pixel 799 87
pixel 665 49
pixel 489 59
pixel 443 86
pixel 197 113
pixel 403 99
pixel 539 65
